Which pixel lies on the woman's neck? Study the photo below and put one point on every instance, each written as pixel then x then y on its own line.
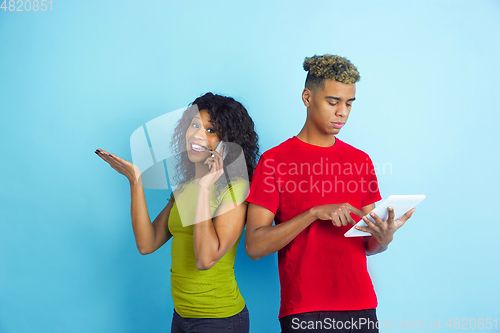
pixel 200 170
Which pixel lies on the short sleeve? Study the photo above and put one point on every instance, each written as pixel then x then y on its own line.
pixel 237 192
pixel 263 189
pixel 371 193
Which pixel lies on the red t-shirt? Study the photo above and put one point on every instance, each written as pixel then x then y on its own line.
pixel 320 270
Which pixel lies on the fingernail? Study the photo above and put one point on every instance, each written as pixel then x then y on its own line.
pixel 96 152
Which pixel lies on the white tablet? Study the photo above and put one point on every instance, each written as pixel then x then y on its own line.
pixel 401 205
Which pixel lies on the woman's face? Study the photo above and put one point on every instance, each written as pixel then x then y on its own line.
pixel 200 137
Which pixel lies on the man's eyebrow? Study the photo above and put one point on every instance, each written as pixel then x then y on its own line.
pixel 338 99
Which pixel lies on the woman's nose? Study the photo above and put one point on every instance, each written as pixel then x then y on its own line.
pixel 200 134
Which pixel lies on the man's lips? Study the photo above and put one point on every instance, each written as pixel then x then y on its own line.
pixel 338 125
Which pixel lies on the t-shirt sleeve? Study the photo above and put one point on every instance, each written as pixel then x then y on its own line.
pixel 237 192
pixel 263 189
pixel 371 193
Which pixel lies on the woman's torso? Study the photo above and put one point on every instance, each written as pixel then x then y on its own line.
pixel 211 293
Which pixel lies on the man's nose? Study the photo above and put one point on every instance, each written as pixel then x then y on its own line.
pixel 341 110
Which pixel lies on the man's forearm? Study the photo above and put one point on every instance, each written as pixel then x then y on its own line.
pixel 269 239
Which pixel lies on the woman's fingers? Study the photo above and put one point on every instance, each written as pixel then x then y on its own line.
pixel 210 161
pixel 102 152
pixel 108 158
pixel 122 166
pixel 104 155
pixel 218 158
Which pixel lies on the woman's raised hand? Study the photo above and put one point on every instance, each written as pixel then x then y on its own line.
pixel 124 167
pixel 215 165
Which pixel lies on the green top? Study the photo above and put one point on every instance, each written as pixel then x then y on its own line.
pixel 211 293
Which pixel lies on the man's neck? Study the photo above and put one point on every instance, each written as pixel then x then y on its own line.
pixel 314 137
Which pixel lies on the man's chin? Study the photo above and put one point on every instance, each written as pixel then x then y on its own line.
pixel 334 131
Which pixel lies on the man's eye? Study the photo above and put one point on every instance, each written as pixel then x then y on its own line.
pixel 349 105
pixel 333 104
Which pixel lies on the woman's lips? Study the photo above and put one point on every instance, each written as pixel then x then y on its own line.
pixel 338 125
pixel 196 148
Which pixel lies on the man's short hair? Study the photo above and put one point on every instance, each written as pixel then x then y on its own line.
pixel 329 66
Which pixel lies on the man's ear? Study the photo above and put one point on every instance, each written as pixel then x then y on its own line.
pixel 306 96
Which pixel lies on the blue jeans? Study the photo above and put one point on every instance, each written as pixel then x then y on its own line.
pixel 239 323
pixel 360 321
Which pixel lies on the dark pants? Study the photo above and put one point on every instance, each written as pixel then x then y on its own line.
pixel 331 321
pixel 239 323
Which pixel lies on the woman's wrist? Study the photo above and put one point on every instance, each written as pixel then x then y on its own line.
pixel 134 182
pixel 203 190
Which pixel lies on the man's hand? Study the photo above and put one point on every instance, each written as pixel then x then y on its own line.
pixel 339 214
pixel 383 231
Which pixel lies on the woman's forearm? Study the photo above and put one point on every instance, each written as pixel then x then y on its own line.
pixel 206 242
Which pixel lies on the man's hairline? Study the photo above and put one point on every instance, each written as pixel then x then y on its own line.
pixel 313 91
pixel 324 80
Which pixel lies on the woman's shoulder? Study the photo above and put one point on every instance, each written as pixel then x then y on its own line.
pixel 235 190
pixel 238 183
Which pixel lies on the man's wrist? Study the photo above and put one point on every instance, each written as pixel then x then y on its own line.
pixel 312 213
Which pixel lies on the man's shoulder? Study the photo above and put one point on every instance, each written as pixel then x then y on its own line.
pixel 353 151
pixel 278 150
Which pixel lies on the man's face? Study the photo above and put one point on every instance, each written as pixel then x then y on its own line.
pixel 329 108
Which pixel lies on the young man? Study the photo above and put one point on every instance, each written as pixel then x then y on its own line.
pixel 310 185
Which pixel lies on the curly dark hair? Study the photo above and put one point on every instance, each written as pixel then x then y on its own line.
pixel 232 124
pixel 329 66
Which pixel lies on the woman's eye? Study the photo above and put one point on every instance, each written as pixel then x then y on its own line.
pixel 210 130
pixel 195 125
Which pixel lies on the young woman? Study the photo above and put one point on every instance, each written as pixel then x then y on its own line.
pixel 204 216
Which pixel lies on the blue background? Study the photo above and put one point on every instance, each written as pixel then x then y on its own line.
pixel 87 74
